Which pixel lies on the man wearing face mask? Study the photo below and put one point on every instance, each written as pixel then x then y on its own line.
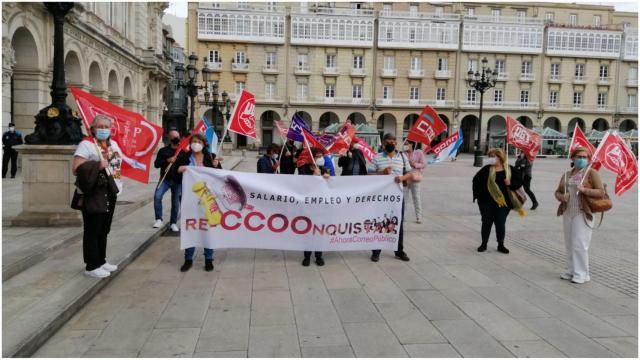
pixel 288 161
pixel 353 163
pixel 165 157
pixel 391 161
pixel 524 166
pixel 10 139
pixel 267 164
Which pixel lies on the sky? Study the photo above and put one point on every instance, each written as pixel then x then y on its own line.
pixel 179 8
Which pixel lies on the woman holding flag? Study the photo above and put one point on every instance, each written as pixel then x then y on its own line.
pixel 494 187
pixel 578 183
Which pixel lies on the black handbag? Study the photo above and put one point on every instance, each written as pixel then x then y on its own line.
pixel 77 202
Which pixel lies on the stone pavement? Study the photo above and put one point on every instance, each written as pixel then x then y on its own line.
pixel 448 301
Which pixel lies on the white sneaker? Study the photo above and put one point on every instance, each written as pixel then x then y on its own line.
pixel 157 224
pixel 566 276
pixel 98 273
pixel 175 228
pixel 109 267
pixel 418 221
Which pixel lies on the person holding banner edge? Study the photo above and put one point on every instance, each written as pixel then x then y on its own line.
pixel 391 161
pixel 167 156
pixel 575 185
pixel 197 156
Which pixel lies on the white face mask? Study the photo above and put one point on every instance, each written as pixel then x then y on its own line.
pixel 12 129
pixel 196 147
pixel 357 146
pixel 407 148
pixel 320 161
pixel 491 161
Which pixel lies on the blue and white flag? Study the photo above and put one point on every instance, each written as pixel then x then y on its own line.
pixel 448 148
pixel 211 135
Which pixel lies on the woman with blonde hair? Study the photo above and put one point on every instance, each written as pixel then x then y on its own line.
pixel 494 187
pixel 575 186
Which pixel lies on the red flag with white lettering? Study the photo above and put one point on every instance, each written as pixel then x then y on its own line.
pixel 136 137
pixel 243 120
pixel 427 127
pixel 524 139
pixel 580 140
pixel 343 138
pixel 368 153
pixel 614 154
pixel 282 129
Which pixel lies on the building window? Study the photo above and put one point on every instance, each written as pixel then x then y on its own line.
pixel 549 16
pixel 632 101
pixel 329 91
pixel 414 93
pixel 473 65
pixel 330 61
pixel 443 64
pixel 356 91
pixel 471 12
pixel 524 96
pixel 387 92
pixel 471 96
pixel 389 63
pixel 573 19
pixel 386 9
pixel 577 99
pixel 389 33
pixel 214 56
pixel 412 35
pixel 413 10
pixel 579 71
pixel 604 72
pixel 520 16
pixel 358 62
pixel 439 11
pixel 269 90
pixel 240 85
pixel 303 91
pixel 212 85
pixel 441 94
pixel 495 15
pixel 270 60
pixel 596 20
pixel 240 57
pixel 303 61
pixel 602 100
pixel 526 68
pixel 416 63
pixel 500 66
pixel 356 5
pixel 555 71
pixel 498 96
pixel 553 98
pixel 633 73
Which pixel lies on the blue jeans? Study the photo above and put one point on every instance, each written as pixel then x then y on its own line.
pixel 188 253
pixel 176 192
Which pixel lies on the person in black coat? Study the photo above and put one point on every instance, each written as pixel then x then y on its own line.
pixel 166 156
pixel 353 163
pixel 524 166
pixel 10 139
pixel 267 163
pixel 493 187
pixel 197 156
pixel 288 161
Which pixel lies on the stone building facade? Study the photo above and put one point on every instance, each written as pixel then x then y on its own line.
pixel 116 51
pixel 381 63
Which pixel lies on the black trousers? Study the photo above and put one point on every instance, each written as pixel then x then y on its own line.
pixel 307 254
pixel 400 236
pixel 527 188
pixel 94 239
pixel 6 155
pixel 493 214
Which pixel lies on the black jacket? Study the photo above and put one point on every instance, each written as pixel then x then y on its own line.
pixel 287 163
pixel 524 166
pixel 346 163
pixel 265 165
pixel 11 139
pixel 307 169
pixel 162 161
pixel 99 189
pixel 481 191
pixel 183 160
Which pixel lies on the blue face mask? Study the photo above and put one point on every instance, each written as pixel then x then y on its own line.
pixel 581 163
pixel 103 134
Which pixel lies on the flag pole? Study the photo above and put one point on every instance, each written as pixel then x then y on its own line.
pixel 593 157
pixel 310 152
pixel 226 130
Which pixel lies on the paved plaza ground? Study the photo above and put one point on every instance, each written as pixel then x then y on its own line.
pixel 448 301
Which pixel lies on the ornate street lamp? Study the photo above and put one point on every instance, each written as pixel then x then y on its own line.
pixel 481 81
pixel 211 99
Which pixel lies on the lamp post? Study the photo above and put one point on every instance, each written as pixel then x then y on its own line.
pixel 192 89
pixel 481 81
pixel 216 108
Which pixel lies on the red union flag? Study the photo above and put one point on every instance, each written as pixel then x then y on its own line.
pixel 343 138
pixel 522 138
pixel 368 153
pixel 136 137
pixel 614 154
pixel 579 140
pixel 243 120
pixel 427 127
pixel 282 129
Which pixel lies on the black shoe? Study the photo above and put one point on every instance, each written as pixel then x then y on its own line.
pixel 482 248
pixel 186 266
pixel 306 261
pixel 535 206
pixel 375 257
pixel 402 256
pixel 13 176
pixel 503 249
pixel 208 265
pixel 319 261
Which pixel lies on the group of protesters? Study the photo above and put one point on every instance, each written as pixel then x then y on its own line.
pixel 98 159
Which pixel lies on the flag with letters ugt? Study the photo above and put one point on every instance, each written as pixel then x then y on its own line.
pixel 136 137
pixel 614 154
pixel 524 139
pixel 427 127
pixel 243 121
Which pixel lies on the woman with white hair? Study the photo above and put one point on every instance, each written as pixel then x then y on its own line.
pixel 96 164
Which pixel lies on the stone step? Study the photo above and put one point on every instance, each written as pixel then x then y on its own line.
pixel 43 297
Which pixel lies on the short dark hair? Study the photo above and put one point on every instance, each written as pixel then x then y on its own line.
pixel 12 124
pixel 316 150
pixel 388 136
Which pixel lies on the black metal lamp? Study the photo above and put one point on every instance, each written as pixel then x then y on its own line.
pixel 481 81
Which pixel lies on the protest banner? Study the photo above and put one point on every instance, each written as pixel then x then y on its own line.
pixel 228 209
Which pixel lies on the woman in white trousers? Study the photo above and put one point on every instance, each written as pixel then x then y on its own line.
pixel 416 160
pixel 575 185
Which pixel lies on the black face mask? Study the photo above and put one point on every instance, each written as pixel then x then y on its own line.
pixel 175 141
pixel 389 148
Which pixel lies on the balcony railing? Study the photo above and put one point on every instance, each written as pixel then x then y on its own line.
pixel 358 72
pixel 341 100
pixel 579 80
pixel 330 70
pixel 630 110
pixel 501 104
pixel 442 74
pixel 303 69
pixel 527 77
pixel 504 19
pixel 554 78
pixel 416 73
pixel 603 81
pixel 389 72
pixel 632 82
pixel 419 15
pixel 214 66
pixel 502 76
pixel 342 11
pixel 240 67
pixel 415 102
pixel 270 69
pixel 242 6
